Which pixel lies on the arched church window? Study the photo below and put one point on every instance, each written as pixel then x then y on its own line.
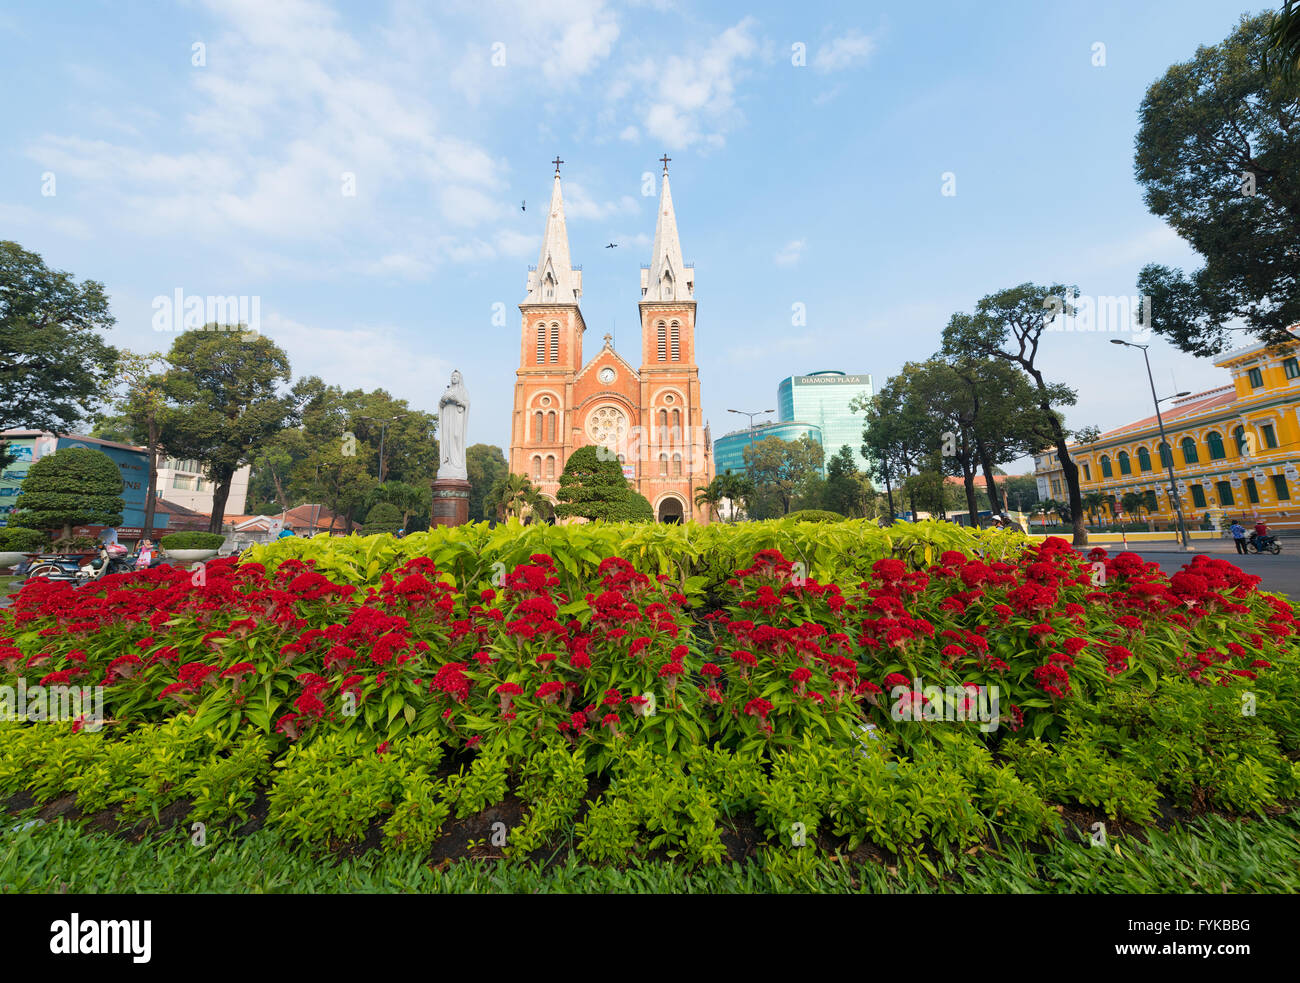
pixel 541 343
pixel 677 465
pixel 537 426
pixel 550 469
pixel 663 465
pixel 675 342
pixel 663 341
pixel 555 342
pixel 537 468
pixel 550 427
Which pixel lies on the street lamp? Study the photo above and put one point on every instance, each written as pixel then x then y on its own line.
pixel 383 429
pixel 1169 463
pixel 751 421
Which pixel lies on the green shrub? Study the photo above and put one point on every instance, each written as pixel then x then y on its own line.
pixel 383 518
pixel 16 539
pixel 192 541
pixel 71 487
pixel 815 515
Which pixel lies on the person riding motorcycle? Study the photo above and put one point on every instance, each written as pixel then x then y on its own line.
pixel 1259 533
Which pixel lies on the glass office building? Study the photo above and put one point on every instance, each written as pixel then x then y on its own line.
pixel 729 450
pixel 822 399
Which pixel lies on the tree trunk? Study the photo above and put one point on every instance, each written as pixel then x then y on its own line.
pixel 968 479
pixel 1068 466
pixel 153 478
pixel 889 494
pixel 996 501
pixel 219 496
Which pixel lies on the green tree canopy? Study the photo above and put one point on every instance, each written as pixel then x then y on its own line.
pixel 484 466
pixel 384 517
pixel 71 487
pixel 594 489
pixel 55 367
pixel 780 470
pixel 1218 156
pixel 222 403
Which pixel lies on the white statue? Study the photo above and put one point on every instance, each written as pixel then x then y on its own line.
pixel 453 414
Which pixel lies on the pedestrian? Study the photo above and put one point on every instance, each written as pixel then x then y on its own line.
pixel 146 555
pixel 1239 535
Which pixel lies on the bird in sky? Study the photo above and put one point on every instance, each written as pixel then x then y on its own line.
pixel 612 245
pixel 523 206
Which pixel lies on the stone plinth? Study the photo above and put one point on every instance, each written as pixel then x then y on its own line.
pixel 450 502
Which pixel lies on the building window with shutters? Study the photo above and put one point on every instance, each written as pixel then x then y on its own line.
pixel 1251 491
pixel 1281 490
pixel 1256 378
pixel 1087 472
pixel 1189 451
pixel 1224 490
pixel 662 330
pixel 1166 456
pixel 555 342
pixel 541 344
pixel 1105 467
pixel 1215 442
pixel 1124 466
pixel 1291 367
pixel 550 427
pixel 1270 436
pixel 537 468
pixel 550 469
pixel 675 342
pixel 663 465
pixel 677 465
pixel 1198 496
pixel 1144 459
pixel 537 427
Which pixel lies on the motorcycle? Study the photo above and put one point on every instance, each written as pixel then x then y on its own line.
pixel 1264 544
pixel 83 568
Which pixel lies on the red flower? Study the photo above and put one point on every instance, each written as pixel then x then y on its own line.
pixel 758 707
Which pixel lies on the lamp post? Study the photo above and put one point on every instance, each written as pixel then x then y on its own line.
pixel 1164 441
pixel 751 421
pixel 383 429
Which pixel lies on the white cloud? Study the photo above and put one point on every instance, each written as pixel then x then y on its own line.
pixel 689 98
pixel 630 134
pixel 843 52
pixel 790 253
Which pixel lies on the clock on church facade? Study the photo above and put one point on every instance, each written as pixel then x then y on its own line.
pixel 649 414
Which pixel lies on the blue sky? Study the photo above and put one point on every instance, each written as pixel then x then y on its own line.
pixel 818 184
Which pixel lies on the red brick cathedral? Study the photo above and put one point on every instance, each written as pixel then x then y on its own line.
pixel 650 416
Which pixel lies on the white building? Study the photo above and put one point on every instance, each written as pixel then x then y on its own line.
pixel 183 482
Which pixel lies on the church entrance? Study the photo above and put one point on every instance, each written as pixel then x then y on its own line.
pixel 670 510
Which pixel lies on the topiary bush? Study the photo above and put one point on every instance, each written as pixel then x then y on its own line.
pixel 382 518
pixel 815 515
pixel 71 487
pixel 595 489
pixel 192 541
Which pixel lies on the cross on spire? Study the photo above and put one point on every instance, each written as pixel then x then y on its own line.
pixel 665 158
pixel 557 162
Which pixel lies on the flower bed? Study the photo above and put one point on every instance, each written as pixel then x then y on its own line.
pixel 893 696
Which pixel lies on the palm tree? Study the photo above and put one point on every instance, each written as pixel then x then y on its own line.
pixel 1134 503
pixel 512 495
pixel 737 489
pixel 1284 37
pixel 1093 503
pixel 708 497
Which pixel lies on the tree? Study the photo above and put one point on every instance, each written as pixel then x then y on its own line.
pixel 845 491
pixel 595 489
pixel 484 466
pixel 1009 325
pixel 140 401
pixel 1020 491
pixel 71 487
pixel 511 496
pixel 384 517
pixel 409 500
pixel 709 497
pixel 54 365
pixel 779 467
pixel 1218 156
pixel 1094 502
pixel 1133 503
pixel 222 403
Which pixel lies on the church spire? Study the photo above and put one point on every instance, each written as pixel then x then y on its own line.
pixel 555 281
pixel 667 279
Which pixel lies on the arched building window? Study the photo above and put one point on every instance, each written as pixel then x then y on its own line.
pixel 674 341
pixel 550 426
pixel 555 342
pixel 1124 466
pixel 677 465
pixel 1166 456
pixel 663 465
pixel 1144 459
pixel 541 343
pixel 662 333
pixel 537 468
pixel 1105 466
pixel 1215 441
pixel 1190 455
pixel 550 468
pixel 537 427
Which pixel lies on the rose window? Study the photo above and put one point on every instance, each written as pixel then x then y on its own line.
pixel 607 425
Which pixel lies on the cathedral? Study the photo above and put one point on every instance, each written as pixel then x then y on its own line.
pixel 648 415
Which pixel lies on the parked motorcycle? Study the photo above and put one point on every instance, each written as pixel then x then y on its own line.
pixel 83 568
pixel 1264 544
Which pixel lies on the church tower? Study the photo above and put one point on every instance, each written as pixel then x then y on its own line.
pixel 549 357
pixel 680 458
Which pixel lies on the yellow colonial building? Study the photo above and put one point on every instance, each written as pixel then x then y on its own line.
pixel 1235 449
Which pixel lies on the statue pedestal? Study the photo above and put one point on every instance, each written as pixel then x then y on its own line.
pixel 450 502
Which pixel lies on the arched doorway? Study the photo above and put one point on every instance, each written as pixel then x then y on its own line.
pixel 670 510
